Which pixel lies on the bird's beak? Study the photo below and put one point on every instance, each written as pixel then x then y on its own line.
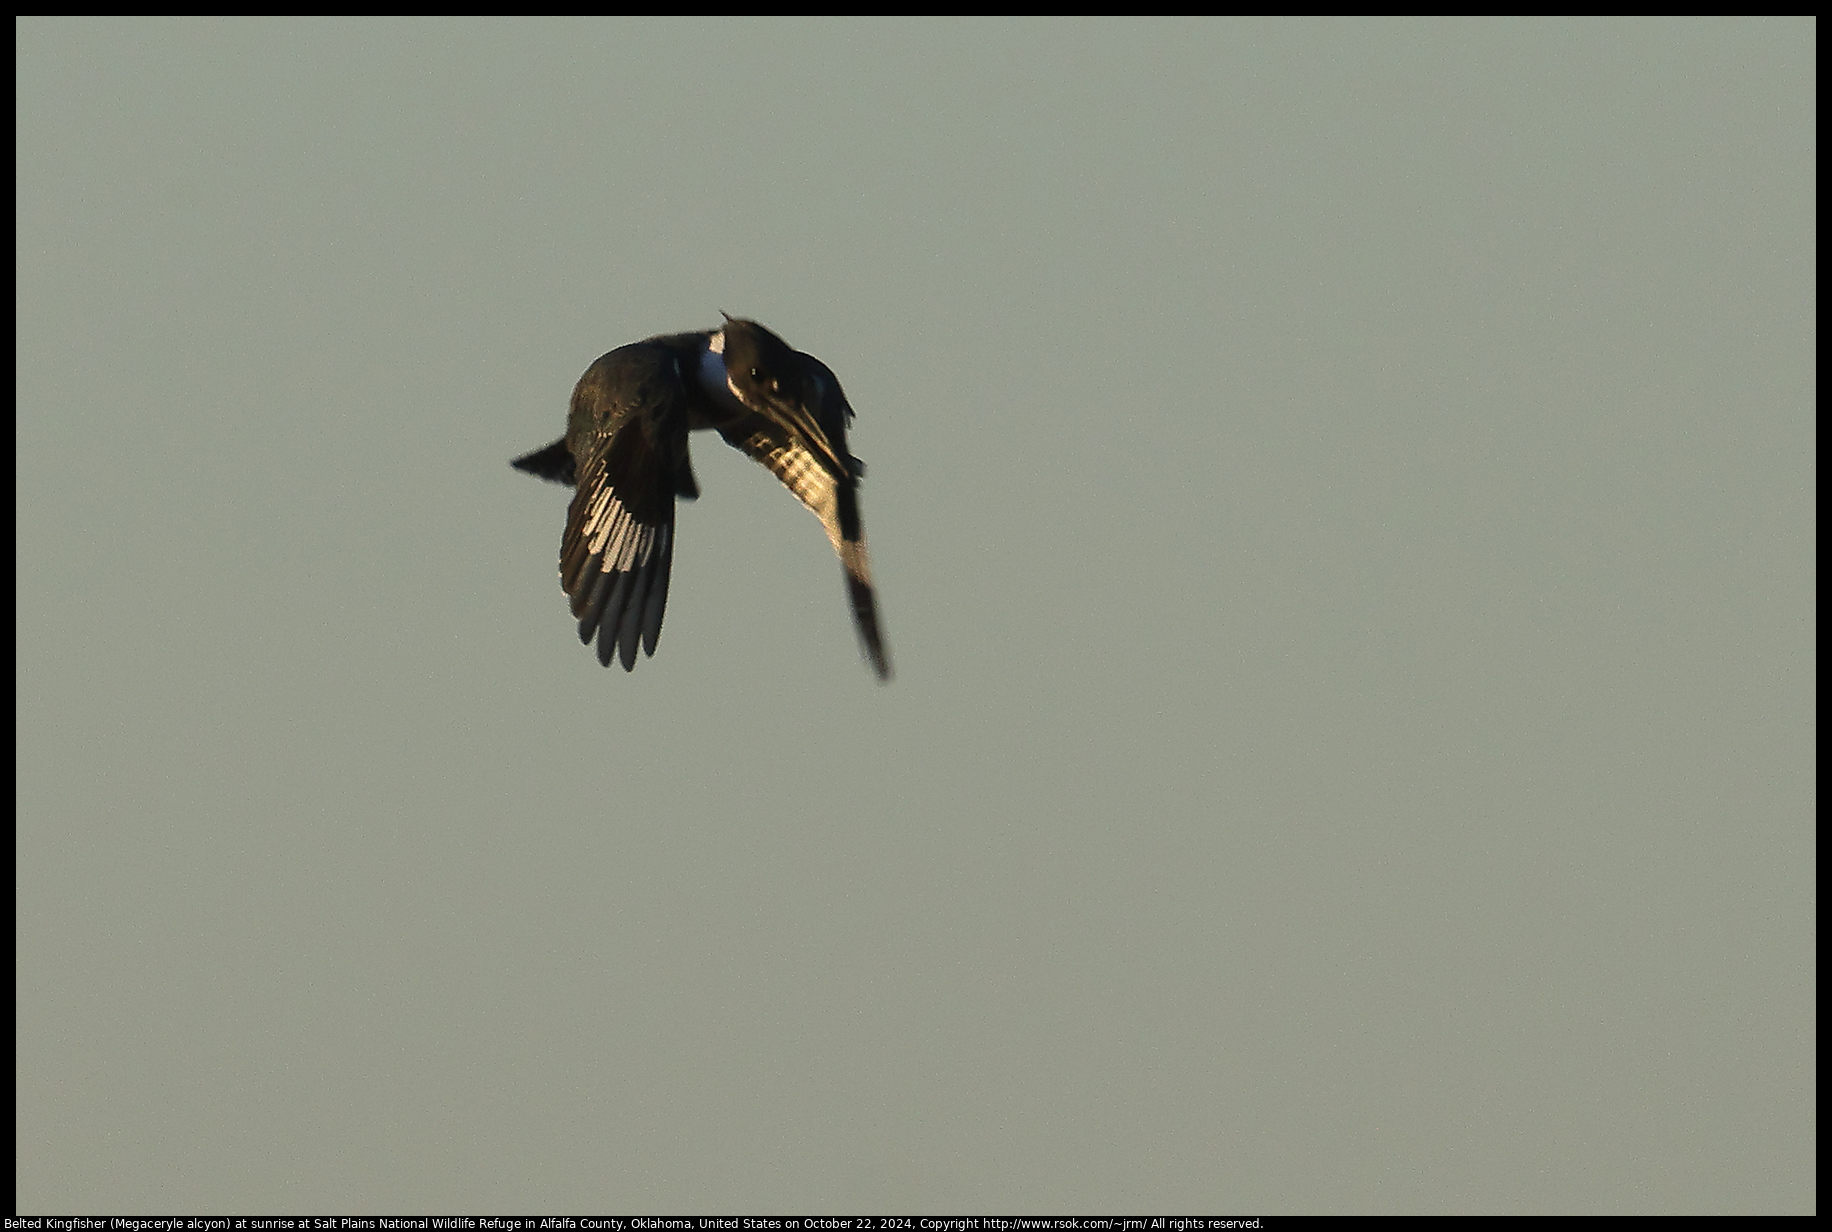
pixel 805 421
pixel 793 412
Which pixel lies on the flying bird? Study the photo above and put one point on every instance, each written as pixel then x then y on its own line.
pixel 625 451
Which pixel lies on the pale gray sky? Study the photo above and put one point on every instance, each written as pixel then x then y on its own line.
pixel 1342 495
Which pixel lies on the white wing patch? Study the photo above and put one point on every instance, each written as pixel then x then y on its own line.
pixel 619 540
pixel 811 482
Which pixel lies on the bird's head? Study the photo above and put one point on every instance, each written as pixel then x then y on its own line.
pixel 796 390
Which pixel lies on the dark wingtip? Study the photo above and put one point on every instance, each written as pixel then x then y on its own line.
pixel 865 619
pixel 657 599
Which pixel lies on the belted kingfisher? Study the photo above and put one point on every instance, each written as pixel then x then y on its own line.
pixel 625 451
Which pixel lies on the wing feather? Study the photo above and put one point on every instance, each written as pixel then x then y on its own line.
pixel 834 499
pixel 628 434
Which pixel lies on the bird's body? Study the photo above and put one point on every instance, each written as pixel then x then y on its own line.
pixel 625 451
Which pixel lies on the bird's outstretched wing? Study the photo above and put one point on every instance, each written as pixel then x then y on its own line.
pixel 835 501
pixel 628 437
